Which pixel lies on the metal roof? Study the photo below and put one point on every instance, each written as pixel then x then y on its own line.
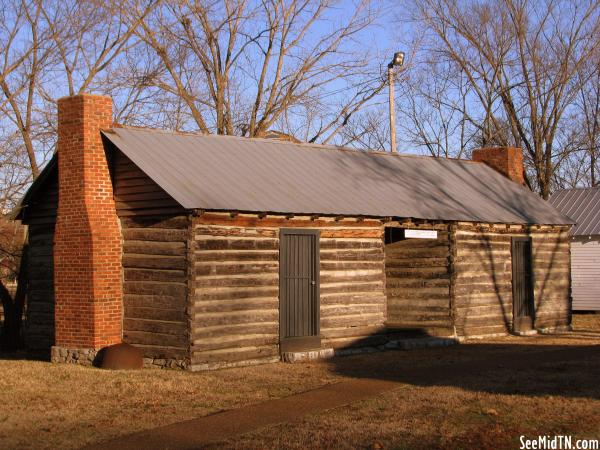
pixel 264 175
pixel 581 205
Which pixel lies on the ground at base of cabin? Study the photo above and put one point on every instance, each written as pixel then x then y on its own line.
pixel 484 394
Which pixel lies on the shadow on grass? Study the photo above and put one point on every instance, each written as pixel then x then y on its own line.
pixel 533 367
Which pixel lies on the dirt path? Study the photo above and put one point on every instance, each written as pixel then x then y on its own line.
pixel 229 424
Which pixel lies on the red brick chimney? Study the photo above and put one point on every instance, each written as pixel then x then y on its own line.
pixel 506 160
pixel 87 242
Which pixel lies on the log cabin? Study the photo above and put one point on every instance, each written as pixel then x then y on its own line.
pixel 215 251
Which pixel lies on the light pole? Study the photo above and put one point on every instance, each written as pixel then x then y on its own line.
pixel 397 61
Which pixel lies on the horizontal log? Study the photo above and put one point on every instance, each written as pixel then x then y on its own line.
pixel 178 222
pixel 154 313
pixel 240 280
pixel 44 273
pixel 418 313
pixel 351 255
pixel 435 252
pixel 368 287
pixel 351 298
pixel 343 332
pixel 146 204
pixel 397 263
pixel 144 188
pixel 44 239
pixel 400 324
pixel 205 319
pixel 350 310
pixel 464 279
pixel 484 320
pixel 41 250
pixel 155 288
pixel 155 195
pixel 202 268
pixel 416 283
pixel 35 306
pixel 415 296
pixel 234 355
pixel 235 341
pixel 496 309
pixel 236 256
pixel 482 331
pixel 234 293
pixel 43 284
pixel 353 320
pixel 505 301
pixel 174 276
pixel 40 296
pixel 148 338
pixel 202 243
pixel 351 276
pixel 418 272
pixel 149 212
pixel 266 303
pixel 438 301
pixel 155 234
pixel 344 244
pixel 354 342
pixel 155 326
pixel 173 302
pixel 161 352
pixel 418 244
pixel 139 261
pixel 375 233
pixel 351 265
pixel 242 329
pixel 154 248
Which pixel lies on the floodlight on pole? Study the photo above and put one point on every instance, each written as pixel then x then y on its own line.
pixel 397 61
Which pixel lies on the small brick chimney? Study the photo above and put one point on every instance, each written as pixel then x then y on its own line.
pixel 506 160
pixel 87 241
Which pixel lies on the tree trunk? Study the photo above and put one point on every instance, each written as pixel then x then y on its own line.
pixel 10 338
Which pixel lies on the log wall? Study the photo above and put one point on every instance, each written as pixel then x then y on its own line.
pixel 418 282
pixel 235 305
pixel 482 277
pixel 155 266
pixel 39 313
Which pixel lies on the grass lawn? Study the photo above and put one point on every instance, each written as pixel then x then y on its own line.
pixel 468 401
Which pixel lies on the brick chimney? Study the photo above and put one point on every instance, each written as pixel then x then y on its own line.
pixel 506 160
pixel 87 241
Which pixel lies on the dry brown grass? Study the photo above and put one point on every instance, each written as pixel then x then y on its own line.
pixel 50 406
pixel 46 405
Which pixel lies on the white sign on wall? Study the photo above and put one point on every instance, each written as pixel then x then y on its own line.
pixel 420 234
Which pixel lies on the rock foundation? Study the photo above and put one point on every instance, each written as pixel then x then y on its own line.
pixel 82 356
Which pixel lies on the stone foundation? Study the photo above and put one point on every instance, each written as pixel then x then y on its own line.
pixel 157 363
pixel 86 356
pixel 82 356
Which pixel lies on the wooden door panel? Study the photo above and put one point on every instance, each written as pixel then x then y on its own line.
pixel 522 279
pixel 299 289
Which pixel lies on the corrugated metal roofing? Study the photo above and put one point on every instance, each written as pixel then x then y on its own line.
pixel 581 205
pixel 231 173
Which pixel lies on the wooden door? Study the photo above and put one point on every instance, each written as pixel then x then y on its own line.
pixel 299 290
pixel 522 281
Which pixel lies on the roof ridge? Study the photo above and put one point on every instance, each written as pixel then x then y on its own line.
pixel 280 142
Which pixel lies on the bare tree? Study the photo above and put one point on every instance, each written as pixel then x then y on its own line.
pixel 243 67
pixel 527 55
